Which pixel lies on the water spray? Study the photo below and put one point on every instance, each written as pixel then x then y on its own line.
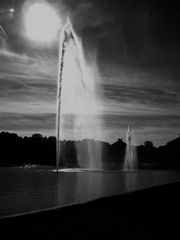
pixel 130 161
pixel 81 101
pixel 4 33
pixel 67 37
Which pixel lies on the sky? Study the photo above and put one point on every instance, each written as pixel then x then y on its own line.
pixel 137 48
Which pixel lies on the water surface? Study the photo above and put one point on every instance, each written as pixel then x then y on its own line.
pixel 24 189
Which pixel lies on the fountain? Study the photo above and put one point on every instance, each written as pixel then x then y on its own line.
pixel 130 160
pixel 78 115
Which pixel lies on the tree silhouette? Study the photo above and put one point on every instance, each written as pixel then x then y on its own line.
pixel 36 149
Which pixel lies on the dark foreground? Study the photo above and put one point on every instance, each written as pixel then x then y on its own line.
pixel 148 214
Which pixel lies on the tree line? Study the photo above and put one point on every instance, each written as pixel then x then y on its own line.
pixel 39 150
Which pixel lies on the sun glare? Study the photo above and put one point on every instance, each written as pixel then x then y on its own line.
pixel 42 23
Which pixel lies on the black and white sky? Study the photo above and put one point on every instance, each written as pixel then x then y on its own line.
pixel 137 44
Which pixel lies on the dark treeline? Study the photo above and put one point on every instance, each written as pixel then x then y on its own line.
pixel 39 150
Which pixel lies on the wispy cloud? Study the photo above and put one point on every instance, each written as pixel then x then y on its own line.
pixel 22 122
pixel 147 96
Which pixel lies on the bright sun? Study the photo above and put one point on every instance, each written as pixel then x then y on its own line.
pixel 42 23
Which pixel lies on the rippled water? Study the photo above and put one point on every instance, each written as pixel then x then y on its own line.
pixel 33 188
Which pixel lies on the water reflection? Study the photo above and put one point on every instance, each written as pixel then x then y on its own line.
pixel 65 188
pixel 89 186
pixel 131 181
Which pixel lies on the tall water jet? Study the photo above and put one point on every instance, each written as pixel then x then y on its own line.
pixel 130 160
pixel 78 114
pixel 65 38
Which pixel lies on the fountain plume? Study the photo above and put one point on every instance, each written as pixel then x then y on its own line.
pixel 77 101
pixel 130 161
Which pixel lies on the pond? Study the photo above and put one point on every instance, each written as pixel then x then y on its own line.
pixel 31 188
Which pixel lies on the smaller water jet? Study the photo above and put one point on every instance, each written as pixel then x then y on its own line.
pixel 130 160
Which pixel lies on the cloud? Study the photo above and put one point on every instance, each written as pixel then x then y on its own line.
pixel 128 89
pixel 22 122
pixel 12 90
pixel 26 79
pixel 144 121
pixel 141 95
